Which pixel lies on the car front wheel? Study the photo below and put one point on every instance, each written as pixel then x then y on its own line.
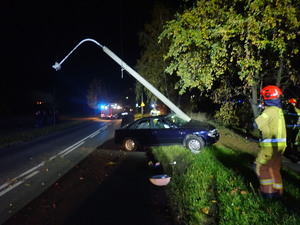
pixel 195 144
pixel 130 144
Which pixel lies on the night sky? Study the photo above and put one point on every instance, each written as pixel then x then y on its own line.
pixel 36 34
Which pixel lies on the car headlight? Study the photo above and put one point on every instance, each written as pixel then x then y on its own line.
pixel 213 133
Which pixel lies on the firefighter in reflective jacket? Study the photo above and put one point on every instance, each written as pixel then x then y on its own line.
pixel 271 123
pixel 296 108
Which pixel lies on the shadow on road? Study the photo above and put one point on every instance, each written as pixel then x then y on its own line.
pixel 126 197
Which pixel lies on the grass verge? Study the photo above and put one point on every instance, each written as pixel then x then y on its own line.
pixel 218 186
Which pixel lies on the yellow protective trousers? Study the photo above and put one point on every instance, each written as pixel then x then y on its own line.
pixel 269 174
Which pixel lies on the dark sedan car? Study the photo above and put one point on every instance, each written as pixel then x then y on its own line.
pixel 166 130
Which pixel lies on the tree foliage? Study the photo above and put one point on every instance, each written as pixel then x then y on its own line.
pixel 229 48
pixel 151 63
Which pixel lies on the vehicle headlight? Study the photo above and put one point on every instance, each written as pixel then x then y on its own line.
pixel 212 133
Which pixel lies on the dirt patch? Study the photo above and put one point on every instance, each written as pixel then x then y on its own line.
pixel 234 141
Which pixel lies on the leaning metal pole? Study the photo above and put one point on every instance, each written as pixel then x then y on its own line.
pixel 132 72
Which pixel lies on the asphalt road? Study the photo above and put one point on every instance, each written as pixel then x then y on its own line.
pixel 108 187
pixel 28 170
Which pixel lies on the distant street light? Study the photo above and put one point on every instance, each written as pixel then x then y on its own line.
pixel 159 95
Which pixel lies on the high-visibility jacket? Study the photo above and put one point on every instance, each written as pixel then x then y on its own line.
pixel 271 123
pixel 298 113
pixel 297 139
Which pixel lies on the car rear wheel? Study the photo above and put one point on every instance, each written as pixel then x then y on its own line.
pixel 130 144
pixel 195 144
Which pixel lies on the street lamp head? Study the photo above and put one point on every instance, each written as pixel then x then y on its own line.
pixel 56 66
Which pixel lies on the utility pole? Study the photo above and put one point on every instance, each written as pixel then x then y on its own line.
pixel 137 76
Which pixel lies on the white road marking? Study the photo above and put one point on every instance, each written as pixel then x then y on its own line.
pixel 72 149
pixel 15 182
pixel 11 184
pixel 10 187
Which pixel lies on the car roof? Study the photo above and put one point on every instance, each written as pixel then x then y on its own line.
pixel 151 117
pixel 144 118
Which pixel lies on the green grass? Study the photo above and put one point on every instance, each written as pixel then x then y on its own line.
pixel 218 186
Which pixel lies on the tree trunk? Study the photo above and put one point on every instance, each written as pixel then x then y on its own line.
pixel 254 102
pixel 279 73
pixel 254 97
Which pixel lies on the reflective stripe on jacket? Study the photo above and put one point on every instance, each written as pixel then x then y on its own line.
pixel 272 125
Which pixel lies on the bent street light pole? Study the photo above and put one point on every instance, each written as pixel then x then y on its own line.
pixel 137 76
pixel 154 91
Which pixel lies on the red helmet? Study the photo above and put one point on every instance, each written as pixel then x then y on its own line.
pixel 292 100
pixel 270 92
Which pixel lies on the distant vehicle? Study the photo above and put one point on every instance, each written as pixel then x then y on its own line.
pixel 166 130
pixel 110 111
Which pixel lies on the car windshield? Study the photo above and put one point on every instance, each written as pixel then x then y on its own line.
pixel 176 119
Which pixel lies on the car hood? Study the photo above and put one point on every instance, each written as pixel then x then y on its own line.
pixel 198 124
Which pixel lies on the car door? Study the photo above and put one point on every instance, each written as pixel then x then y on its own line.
pixel 164 132
pixel 142 132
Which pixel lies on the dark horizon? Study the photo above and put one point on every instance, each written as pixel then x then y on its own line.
pixel 35 36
